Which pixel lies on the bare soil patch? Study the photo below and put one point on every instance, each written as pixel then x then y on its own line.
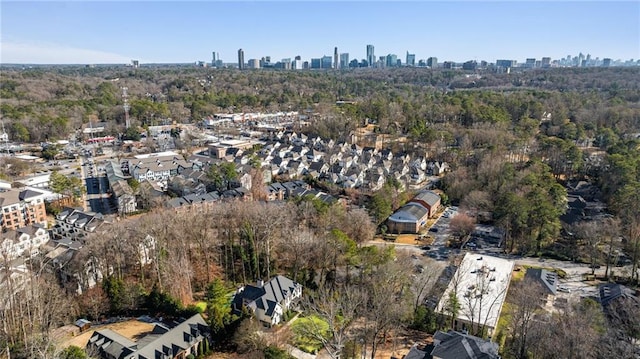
pixel 132 329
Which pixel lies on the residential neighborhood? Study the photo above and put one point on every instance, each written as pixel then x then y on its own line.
pixel 409 212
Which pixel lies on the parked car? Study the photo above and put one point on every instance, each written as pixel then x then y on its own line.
pixel 564 289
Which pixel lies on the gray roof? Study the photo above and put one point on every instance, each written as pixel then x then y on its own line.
pixel 161 341
pixel 179 338
pixel 612 291
pixel 547 279
pixel 270 294
pixel 411 212
pixel 111 343
pixel 429 197
pixel 463 346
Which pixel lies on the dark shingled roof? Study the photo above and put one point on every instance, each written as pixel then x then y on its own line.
pixel 464 346
pixel 547 279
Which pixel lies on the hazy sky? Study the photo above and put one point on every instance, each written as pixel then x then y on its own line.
pixel 168 31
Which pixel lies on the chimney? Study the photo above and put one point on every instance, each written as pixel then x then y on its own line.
pixel 260 283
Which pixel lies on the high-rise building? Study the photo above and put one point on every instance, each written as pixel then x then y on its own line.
pixel 344 60
pixel 432 62
pixel 606 62
pixel 470 65
pixel 530 63
pixel 214 59
pixel 506 63
pixel 253 64
pixel 411 59
pixel 297 64
pixel 335 58
pixel 241 59
pixel 546 62
pixel 316 63
pixel 326 62
pixel 392 60
pixel 371 57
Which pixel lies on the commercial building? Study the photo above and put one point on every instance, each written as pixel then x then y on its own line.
pixel 371 57
pixel 241 59
pixel 479 286
pixel 344 60
pixel 412 216
pixel 432 62
pixel 411 59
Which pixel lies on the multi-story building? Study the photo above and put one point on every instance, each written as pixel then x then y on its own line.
pixel 432 62
pixel 316 63
pixel 411 59
pixel 336 64
pixel 21 208
pixel 326 62
pixel 156 168
pixel 371 57
pixel 530 63
pixel 392 60
pixel 470 65
pixel 253 64
pixel 73 225
pixel 24 241
pixel 546 62
pixel 240 59
pixel 344 60
pixel 506 63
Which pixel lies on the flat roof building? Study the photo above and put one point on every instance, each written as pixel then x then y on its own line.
pixel 480 285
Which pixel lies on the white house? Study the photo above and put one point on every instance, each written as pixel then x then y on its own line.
pixel 23 241
pixel 268 301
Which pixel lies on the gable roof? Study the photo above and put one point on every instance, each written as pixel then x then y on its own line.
pixel 179 338
pixel 612 291
pixel 463 346
pixel 265 298
pixel 547 279
pixel 163 341
pixel 109 342
pixel 429 197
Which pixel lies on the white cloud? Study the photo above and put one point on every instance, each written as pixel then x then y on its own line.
pixel 47 53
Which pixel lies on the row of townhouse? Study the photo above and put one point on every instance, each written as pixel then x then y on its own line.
pixel 23 242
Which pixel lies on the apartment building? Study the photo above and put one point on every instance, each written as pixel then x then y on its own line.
pixel 22 207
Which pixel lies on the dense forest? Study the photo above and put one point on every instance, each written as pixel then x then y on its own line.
pixel 513 142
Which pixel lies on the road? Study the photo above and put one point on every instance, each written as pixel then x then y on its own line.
pixel 97 198
pixel 575 272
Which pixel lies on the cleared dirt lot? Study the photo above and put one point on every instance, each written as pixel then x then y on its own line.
pixel 132 329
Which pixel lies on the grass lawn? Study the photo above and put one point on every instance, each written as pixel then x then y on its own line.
pixel 302 328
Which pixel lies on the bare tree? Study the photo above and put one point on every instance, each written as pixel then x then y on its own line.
pixel 339 308
pixel 525 298
pixel 462 226
pixel 424 282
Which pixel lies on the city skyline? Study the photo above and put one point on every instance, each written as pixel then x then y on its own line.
pixel 117 32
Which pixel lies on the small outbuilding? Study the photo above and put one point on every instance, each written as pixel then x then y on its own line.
pixel 83 325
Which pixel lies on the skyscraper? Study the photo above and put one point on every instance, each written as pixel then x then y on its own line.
pixel 214 58
pixel 392 60
pixel 411 59
pixel 371 57
pixel 432 62
pixel 335 58
pixel 344 60
pixel 241 59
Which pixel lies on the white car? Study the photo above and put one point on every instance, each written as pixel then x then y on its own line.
pixel 564 289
